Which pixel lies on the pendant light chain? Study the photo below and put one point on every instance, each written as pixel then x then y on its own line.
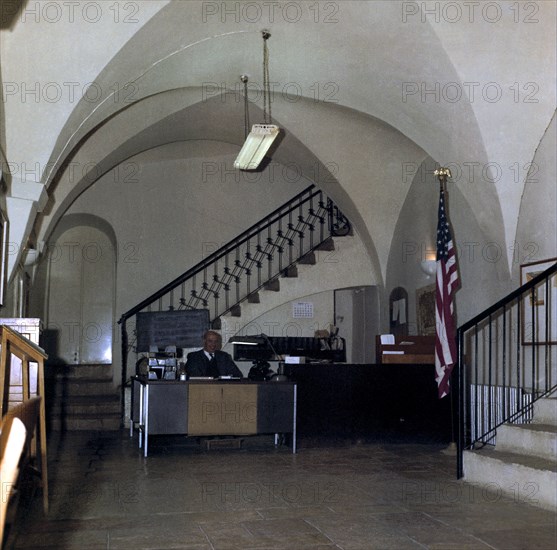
pixel 266 82
pixel 246 106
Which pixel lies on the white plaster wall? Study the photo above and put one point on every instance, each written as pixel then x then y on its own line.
pixel 280 321
pixel 49 58
pixel 505 52
pixel 173 206
pixel 536 236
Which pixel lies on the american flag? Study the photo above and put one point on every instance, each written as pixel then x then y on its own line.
pixel 446 285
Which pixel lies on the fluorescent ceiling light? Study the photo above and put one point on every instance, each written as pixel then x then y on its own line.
pixel 256 146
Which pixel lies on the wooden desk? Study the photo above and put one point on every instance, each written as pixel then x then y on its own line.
pixel 206 407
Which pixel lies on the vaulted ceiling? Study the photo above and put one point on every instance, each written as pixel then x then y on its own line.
pixel 365 89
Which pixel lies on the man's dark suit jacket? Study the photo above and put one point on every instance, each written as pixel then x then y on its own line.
pixel 197 364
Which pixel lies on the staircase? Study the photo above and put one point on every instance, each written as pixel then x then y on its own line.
pixel 506 381
pixel 523 463
pixel 338 258
pixel 81 397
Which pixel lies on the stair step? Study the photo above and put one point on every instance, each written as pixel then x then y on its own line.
pixel 272 285
pixel 82 386
pixel 327 245
pixel 84 412
pixel 103 372
pixel 79 422
pixel 308 259
pixel 100 385
pixel 236 311
pixel 82 397
pixel 253 298
pixel 86 404
pixel 526 479
pixel 528 439
pixel 291 272
pixel 545 411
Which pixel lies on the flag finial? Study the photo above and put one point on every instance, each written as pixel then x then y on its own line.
pixel 443 173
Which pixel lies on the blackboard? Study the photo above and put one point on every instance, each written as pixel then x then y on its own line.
pixel 183 329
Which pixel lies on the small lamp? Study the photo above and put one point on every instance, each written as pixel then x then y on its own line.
pixel 429 267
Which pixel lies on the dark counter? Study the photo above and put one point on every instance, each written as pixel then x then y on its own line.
pixel 379 402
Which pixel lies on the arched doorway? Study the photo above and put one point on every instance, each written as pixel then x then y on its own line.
pixel 80 295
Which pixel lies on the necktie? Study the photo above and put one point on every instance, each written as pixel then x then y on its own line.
pixel 212 370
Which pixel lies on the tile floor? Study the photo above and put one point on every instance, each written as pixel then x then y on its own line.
pixel 331 495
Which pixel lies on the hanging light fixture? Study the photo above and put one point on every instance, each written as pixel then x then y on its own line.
pixel 261 137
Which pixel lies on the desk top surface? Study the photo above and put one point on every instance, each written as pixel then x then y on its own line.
pixel 241 381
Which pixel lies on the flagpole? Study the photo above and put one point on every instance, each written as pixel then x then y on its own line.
pixel 451 447
pixel 442 174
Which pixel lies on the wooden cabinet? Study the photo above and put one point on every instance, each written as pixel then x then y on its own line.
pixel 222 409
pixel 410 350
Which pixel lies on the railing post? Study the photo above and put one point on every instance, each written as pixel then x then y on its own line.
pixel 547 369
pixel 461 421
pixel 124 371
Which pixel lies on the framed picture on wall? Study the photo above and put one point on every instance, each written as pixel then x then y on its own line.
pixel 425 309
pixel 539 307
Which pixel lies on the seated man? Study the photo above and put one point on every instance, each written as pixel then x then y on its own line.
pixel 211 361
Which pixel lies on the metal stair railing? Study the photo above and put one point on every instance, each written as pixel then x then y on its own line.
pixel 243 266
pixel 506 362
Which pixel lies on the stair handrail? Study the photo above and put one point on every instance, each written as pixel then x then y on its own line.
pixel 221 252
pixel 463 441
pixel 507 299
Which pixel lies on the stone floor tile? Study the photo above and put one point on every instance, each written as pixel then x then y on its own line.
pixel 517 539
pixel 232 536
pixel 301 512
